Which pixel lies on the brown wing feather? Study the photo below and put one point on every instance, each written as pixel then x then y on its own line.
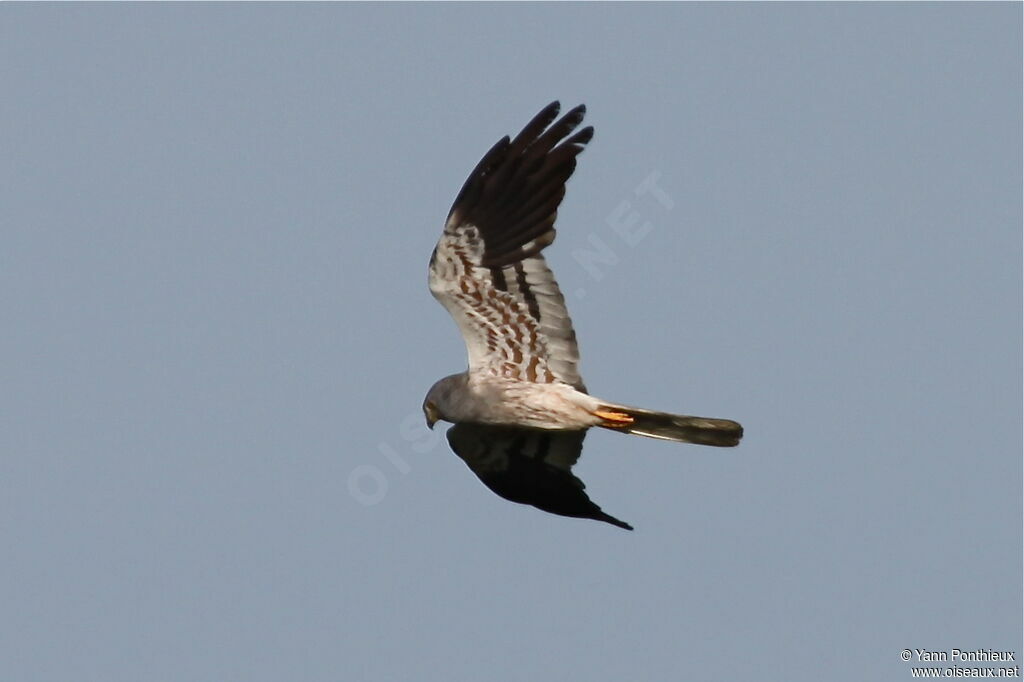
pixel 487 269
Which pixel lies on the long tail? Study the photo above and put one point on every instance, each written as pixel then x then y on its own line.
pixel 676 427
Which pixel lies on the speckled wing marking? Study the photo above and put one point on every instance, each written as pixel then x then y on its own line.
pixel 487 269
pixel 530 467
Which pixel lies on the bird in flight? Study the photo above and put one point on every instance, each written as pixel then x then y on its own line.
pixel 521 411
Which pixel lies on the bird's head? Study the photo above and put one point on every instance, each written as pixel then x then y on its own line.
pixel 441 402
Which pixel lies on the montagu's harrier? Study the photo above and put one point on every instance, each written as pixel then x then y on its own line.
pixel 521 409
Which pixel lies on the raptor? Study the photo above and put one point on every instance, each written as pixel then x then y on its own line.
pixel 520 411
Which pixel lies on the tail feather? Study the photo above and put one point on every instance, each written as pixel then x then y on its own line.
pixel 675 427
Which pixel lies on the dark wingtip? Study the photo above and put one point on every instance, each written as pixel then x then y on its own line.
pixel 608 518
pixel 578 111
pixel 582 137
pixel 541 121
pixel 513 194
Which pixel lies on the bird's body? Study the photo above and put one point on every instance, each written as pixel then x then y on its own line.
pixel 549 406
pixel 521 409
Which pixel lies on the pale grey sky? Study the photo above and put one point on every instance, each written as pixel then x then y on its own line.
pixel 216 221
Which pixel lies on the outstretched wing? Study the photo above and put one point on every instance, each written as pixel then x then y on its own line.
pixel 529 466
pixel 487 268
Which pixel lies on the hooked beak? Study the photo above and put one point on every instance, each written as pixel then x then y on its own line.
pixel 430 412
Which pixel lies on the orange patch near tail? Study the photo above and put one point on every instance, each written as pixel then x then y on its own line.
pixel 614 420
